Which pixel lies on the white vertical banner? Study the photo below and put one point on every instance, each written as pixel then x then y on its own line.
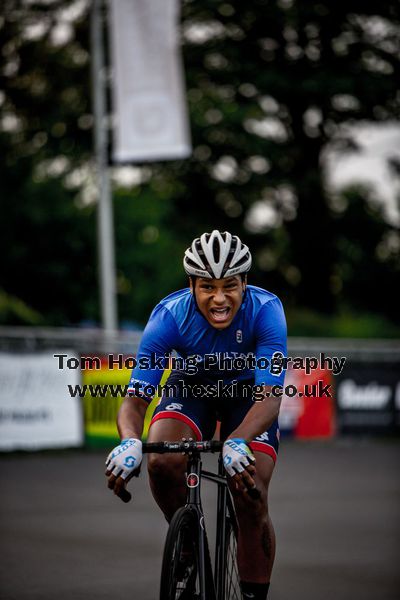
pixel 150 116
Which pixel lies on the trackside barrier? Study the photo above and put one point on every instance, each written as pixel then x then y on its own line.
pixel 36 400
pixel 367 390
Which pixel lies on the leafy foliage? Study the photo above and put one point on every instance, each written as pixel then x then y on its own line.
pixel 269 88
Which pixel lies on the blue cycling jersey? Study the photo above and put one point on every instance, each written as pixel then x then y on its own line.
pixel 248 349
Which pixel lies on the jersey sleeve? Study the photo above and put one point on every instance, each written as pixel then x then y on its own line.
pixel 160 337
pixel 271 338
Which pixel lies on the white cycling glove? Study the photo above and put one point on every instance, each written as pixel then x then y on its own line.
pixel 237 456
pixel 125 458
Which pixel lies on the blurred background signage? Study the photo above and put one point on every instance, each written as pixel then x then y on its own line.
pixel 36 410
pixel 368 398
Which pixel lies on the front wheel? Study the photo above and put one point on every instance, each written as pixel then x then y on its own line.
pixel 231 576
pixel 180 566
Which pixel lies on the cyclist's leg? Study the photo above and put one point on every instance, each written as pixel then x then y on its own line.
pixel 167 471
pixel 177 417
pixel 256 541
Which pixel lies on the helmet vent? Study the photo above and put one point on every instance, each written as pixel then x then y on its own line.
pixel 217 255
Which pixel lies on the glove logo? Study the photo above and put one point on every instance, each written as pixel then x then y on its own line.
pixel 118 450
pixel 238 448
pixel 129 462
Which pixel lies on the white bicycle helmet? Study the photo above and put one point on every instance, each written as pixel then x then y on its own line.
pixel 216 255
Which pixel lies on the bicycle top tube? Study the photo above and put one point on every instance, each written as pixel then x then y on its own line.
pixel 183 446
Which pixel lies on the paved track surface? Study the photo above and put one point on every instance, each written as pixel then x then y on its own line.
pixel 336 510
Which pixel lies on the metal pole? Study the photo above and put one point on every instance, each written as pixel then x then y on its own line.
pixel 105 222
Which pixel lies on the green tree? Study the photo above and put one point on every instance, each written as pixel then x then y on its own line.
pixel 269 86
pixel 47 237
pixel 276 81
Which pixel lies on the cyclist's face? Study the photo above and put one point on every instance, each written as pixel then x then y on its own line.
pixel 219 299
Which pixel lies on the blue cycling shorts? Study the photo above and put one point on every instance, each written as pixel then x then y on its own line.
pixel 188 400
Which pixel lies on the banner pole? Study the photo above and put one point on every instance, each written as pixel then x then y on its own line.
pixel 105 222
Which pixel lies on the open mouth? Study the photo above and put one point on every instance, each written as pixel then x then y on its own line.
pixel 219 315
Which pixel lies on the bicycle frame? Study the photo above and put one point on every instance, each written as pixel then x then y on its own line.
pixel 224 503
pixel 193 479
pixel 214 589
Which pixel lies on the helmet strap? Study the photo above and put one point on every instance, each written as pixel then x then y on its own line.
pixel 193 290
pixel 243 277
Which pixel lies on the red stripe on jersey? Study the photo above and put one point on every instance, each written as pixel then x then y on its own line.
pixel 263 447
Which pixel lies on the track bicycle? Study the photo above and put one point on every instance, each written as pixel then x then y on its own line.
pixel 186 567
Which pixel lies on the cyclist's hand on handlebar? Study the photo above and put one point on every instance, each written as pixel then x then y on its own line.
pixel 122 464
pixel 239 462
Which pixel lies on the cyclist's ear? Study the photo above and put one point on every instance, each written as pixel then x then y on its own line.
pixel 244 283
pixel 192 283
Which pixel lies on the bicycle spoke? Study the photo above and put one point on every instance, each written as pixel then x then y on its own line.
pixel 232 581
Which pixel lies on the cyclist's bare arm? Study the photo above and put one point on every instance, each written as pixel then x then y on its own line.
pixel 130 426
pixel 130 417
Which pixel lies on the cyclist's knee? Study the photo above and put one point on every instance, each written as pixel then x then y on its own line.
pixel 244 504
pixel 166 467
pixel 249 509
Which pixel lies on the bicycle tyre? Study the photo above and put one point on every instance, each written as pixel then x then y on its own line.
pixel 232 578
pixel 176 584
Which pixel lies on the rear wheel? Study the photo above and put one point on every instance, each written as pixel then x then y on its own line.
pixel 180 566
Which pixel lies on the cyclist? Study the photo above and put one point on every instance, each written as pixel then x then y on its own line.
pixel 219 317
